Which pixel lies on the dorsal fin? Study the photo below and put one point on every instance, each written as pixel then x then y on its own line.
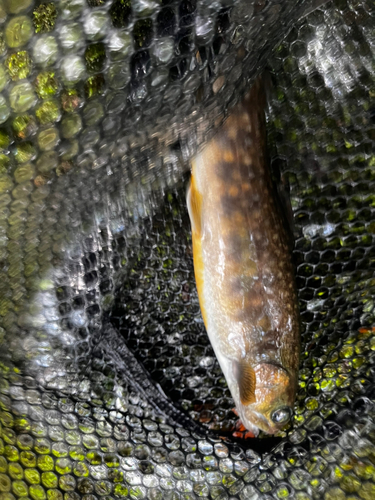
pixel 194 204
pixel 246 383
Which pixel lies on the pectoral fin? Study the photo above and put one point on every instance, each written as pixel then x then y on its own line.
pixel 246 383
pixel 194 204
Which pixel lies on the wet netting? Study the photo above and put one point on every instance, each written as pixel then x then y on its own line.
pixel 109 387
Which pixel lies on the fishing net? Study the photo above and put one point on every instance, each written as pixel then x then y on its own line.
pixel 109 387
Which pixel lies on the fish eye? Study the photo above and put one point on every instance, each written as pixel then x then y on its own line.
pixel 281 415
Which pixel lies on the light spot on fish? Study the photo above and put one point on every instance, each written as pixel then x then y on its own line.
pixel 264 323
pixel 245 118
pixel 232 133
pixel 233 191
pixel 247 160
pixel 228 156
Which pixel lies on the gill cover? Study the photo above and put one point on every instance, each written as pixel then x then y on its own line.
pixel 272 376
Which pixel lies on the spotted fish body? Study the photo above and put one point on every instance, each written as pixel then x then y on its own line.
pixel 243 268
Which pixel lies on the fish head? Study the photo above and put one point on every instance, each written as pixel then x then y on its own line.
pixel 271 407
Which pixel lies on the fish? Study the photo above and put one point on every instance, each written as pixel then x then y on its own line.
pixel 243 266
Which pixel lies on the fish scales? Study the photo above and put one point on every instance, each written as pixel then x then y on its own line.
pixel 243 267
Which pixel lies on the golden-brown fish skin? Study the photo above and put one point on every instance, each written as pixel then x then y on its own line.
pixel 243 268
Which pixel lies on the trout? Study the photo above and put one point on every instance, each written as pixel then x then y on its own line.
pixel 243 268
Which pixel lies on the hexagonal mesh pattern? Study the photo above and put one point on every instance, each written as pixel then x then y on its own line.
pixel 109 387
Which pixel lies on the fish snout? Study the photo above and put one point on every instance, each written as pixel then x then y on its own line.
pixel 269 423
pixel 254 420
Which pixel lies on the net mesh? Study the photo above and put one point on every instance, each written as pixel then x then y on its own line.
pixel 109 387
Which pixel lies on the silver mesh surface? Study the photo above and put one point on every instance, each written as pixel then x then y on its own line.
pixel 109 387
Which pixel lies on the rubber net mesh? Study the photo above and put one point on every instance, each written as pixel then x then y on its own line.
pixel 108 385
